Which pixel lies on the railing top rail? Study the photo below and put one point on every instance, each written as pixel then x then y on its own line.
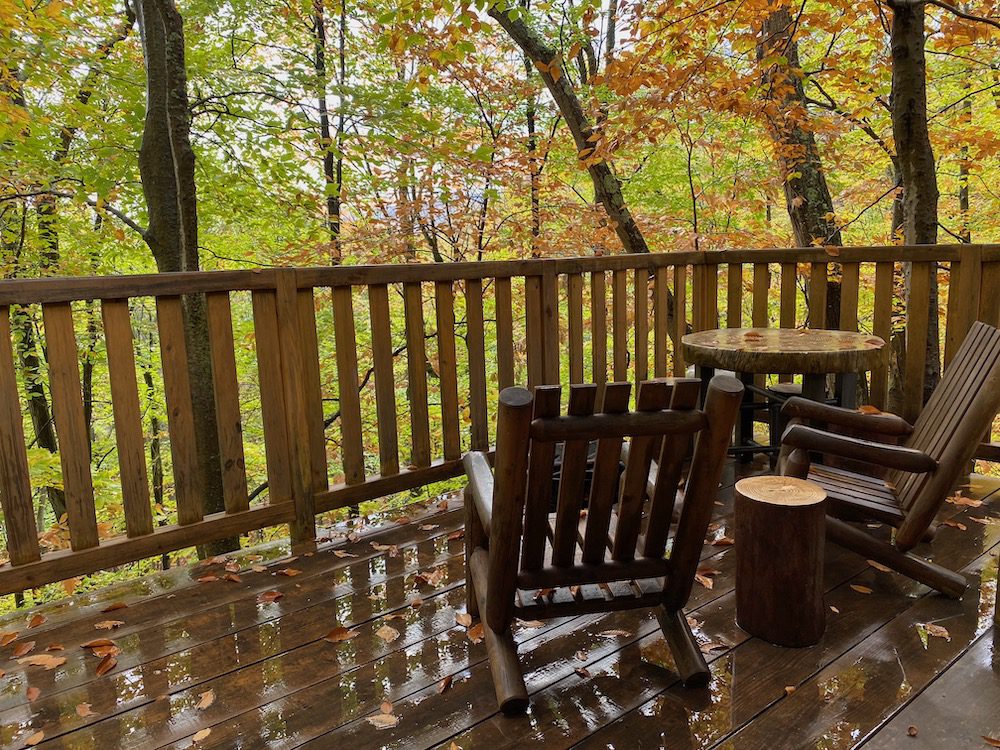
pixel 68 289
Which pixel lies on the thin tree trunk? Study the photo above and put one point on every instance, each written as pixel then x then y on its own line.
pixel 331 163
pixel 915 154
pixel 607 187
pixel 807 195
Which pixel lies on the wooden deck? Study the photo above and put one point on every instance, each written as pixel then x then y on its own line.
pixel 220 655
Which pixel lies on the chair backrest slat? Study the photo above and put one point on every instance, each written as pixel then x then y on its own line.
pixel 652 396
pixel 961 395
pixel 540 463
pixel 573 474
pixel 669 468
pixel 605 480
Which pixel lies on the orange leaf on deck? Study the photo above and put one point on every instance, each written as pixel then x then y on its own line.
pixel 97 642
pixel 267 597
pixel 383 721
pixel 205 699
pixel 476 633
pixel 23 649
pixel 387 633
pixel 991 741
pixel 108 624
pixel 290 572
pixel 201 734
pixel 35 738
pixel 83 710
pixel 233 578
pixel 861 589
pixel 115 606
pixel 55 647
pixel 208 579
pixel 43 660
pixel 106 664
pixel 386 707
pixel 464 619
pixel 36 620
pixel 32 693
pixel 880 566
pixel 342 553
pixel 339 634
pixel 7 638
pixel 869 409
pixel 445 684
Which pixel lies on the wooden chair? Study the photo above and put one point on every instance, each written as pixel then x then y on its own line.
pixel 922 472
pixel 522 563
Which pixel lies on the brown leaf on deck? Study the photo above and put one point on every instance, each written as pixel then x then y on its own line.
pixel 387 633
pixel 861 589
pixel 342 553
pixel 386 707
pixel 83 710
pixel 208 579
pixel 35 738
pixel 476 633
pixel 201 734
pixel 464 619
pixel 445 684
pixel 290 572
pixel 106 664
pixel 22 649
pixel 340 634
pixel 879 566
pixel 383 721
pixel 114 607
pixel 36 620
pixel 267 597
pixel 108 624
pixel 205 699
pixel 991 741
pixel 7 638
pixel 43 660
pixel 32 693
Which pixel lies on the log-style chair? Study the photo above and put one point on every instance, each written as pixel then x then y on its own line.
pixel 522 561
pixel 922 471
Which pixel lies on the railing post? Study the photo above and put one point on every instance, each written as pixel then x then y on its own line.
pixel 294 387
pixel 963 299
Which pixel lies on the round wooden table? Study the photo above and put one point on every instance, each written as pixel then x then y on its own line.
pixel 814 354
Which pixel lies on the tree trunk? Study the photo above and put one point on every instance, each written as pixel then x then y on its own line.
pixel 916 157
pixel 807 196
pixel 329 147
pixel 607 187
pixel 166 166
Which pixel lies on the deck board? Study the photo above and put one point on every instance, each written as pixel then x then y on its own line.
pixel 595 680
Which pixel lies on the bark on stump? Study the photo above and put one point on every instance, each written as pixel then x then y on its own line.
pixel 780 532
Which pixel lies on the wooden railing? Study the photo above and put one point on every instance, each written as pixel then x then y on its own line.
pixel 373 380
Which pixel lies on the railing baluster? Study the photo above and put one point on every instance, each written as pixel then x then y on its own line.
pixel 661 320
pixel 533 330
pixel 505 332
pixel 351 439
pixel 761 289
pixel 227 401
pixel 917 319
pixel 416 366
pixel 552 346
pixel 849 289
pixel 15 498
pixel 817 295
pixel 619 324
pixel 574 309
pixel 272 403
pixel 385 386
pixel 479 438
pixel 641 297
pixel 128 417
pixel 882 327
pixel 680 317
pixel 599 327
pixel 444 304
pixel 313 394
pixel 734 296
pixel 188 485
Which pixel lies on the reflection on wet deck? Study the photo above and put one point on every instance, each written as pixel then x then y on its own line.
pixel 358 646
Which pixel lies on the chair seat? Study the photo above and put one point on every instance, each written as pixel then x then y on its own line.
pixel 856 496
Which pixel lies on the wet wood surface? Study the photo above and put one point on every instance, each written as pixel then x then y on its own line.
pixel 221 655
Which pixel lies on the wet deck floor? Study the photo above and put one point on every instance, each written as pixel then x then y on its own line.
pixel 243 663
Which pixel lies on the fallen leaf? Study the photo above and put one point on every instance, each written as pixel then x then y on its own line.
pixel 869 409
pixel 36 620
pixel 387 633
pixel 101 651
pixel 290 572
pixel 955 524
pixel 98 642
pixel 582 671
pixel 880 566
pixel 704 581
pixel 43 660
pixel 911 731
pixel 961 501
pixel 861 589
pixel 35 738
pixel 233 578
pixel 201 734
pixel 531 624
pixel 582 655
pixel 83 710
pixel 386 707
pixel 789 689
pixel 392 549
pixel 417 603
pixel 544 593
pixel 205 699
pixel 24 648
pixel 114 607
pixel 834 610
pixel 383 721
pixel 724 541
pixel 258 568
pixel 7 638
pixel 55 647
pixel 427 526
pixel 108 624
pixel 710 646
pixel 937 631
pixel 476 633
pixel 444 684
pixel 991 741
pixel 106 664
pixel 456 535
pixel 340 634
pixel 233 567
pixel 615 633
pixel 32 694
pixel 267 597
pixel 464 619
pixel 208 579
pixel 342 553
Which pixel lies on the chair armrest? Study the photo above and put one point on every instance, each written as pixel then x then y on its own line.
pixel 880 454
pixel 480 476
pixel 879 424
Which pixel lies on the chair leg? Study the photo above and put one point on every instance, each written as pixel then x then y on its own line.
pixel 687 655
pixel 948 582
pixel 508 680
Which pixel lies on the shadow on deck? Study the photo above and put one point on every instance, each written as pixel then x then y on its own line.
pixel 242 662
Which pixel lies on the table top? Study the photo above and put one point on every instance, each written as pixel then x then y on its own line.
pixel 784 350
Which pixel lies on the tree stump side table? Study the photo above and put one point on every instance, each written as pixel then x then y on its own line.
pixel 780 534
